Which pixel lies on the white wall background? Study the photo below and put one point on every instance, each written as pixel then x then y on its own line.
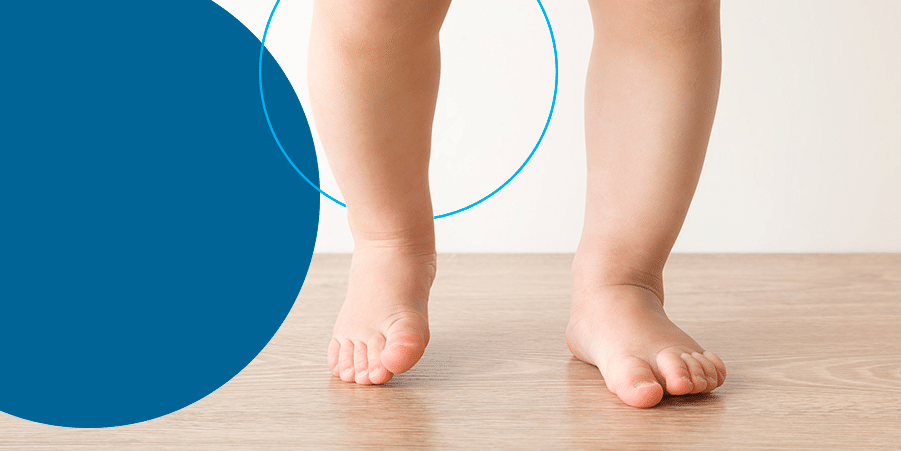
pixel 805 154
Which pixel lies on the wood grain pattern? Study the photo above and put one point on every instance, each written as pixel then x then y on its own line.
pixel 812 344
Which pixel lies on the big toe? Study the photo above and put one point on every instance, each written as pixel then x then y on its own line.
pixel 633 381
pixel 405 343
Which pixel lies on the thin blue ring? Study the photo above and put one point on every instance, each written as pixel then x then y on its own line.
pixel 543 132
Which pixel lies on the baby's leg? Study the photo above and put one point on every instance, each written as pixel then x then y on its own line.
pixel 373 74
pixel 653 83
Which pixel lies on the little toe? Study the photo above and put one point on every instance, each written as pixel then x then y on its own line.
pixel 346 361
pixel 378 374
pixel 633 381
pixel 675 373
pixel 361 364
pixel 698 378
pixel 709 371
pixel 334 348
pixel 719 365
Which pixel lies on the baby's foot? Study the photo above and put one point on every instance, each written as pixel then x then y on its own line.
pixel 623 330
pixel 383 327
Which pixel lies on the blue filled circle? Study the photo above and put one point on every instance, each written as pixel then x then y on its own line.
pixel 152 236
pixel 315 185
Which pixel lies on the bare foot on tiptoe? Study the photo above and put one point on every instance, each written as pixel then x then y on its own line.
pixel 383 327
pixel 623 330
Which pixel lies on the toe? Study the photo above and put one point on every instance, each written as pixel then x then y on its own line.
pixel 633 381
pixel 719 365
pixel 399 357
pixel 361 364
pixel 709 371
pixel 334 347
pixel 404 345
pixel 675 373
pixel 346 361
pixel 697 373
pixel 377 372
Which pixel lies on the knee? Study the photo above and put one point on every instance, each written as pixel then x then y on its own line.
pixel 666 16
pixel 677 13
pixel 669 9
pixel 379 25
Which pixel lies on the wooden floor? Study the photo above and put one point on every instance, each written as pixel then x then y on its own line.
pixel 812 344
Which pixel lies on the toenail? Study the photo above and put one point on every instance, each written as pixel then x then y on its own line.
pixel 642 384
pixel 687 380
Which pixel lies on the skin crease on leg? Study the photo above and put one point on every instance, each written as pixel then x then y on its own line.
pixel 651 95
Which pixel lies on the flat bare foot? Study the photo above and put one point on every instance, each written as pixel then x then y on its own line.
pixel 383 327
pixel 623 330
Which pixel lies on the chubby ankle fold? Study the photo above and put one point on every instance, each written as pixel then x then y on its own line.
pixel 593 268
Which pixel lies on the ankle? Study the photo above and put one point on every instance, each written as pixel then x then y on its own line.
pixel 414 233
pixel 597 270
pixel 408 242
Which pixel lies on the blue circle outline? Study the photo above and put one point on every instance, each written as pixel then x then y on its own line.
pixel 543 132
